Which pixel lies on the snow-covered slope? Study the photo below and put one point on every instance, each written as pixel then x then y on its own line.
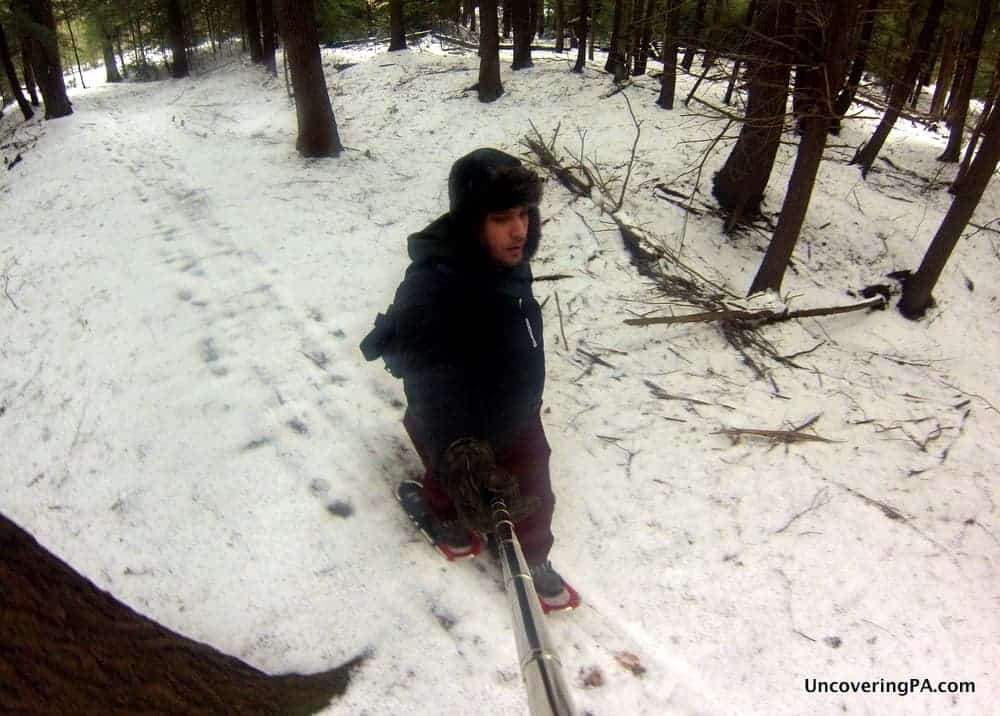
pixel 187 419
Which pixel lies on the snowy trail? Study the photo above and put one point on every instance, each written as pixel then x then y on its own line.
pixel 194 428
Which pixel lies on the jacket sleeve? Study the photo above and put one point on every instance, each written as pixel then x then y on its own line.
pixel 438 354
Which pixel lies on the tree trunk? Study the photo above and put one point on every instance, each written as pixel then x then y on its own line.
pixel 671 29
pixel 46 60
pixel 537 18
pixel 69 647
pixel 917 289
pixel 734 75
pixel 625 44
pixel 15 86
pixel 397 28
pixel 28 52
pixel 251 19
pixel 616 38
pixel 739 186
pixel 866 154
pixel 977 133
pixel 835 26
pixel 490 87
pixel 560 25
pixel 523 31
pixel 108 47
pixel 318 136
pixel 946 72
pixel 178 46
pixel 699 23
pixel 582 29
pixel 711 36
pixel 846 95
pixel 76 50
pixel 268 36
pixel 508 14
pixel 643 36
pixel 964 94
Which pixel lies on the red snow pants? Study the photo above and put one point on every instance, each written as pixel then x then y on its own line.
pixel 528 459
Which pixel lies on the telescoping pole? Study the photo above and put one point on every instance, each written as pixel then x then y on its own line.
pixel 540 666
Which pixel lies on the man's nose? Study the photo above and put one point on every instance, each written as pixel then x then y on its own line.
pixel 521 227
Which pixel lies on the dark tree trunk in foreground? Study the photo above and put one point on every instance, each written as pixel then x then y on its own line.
pixel 846 95
pixel 490 87
pixel 834 26
pixel 671 28
pixel 178 46
pixel 66 647
pixel 523 32
pixel 581 29
pixel 866 154
pixel 699 23
pixel 739 186
pixel 269 36
pixel 917 289
pixel 397 28
pixel 46 60
pixel 8 67
pixel 251 19
pixel 963 93
pixel 318 135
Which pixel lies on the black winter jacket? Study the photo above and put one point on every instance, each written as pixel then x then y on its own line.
pixel 466 338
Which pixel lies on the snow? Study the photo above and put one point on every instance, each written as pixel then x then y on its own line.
pixel 189 423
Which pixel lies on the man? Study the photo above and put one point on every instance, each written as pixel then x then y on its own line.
pixel 464 333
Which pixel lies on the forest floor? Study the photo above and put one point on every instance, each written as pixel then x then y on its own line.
pixel 186 419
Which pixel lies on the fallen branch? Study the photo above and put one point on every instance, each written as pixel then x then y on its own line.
pixel 819 499
pixel 756 318
pixel 785 436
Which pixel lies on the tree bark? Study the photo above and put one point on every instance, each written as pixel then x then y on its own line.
pixel 739 186
pixel 977 133
pixel 46 60
pixel 917 289
pixel 268 36
pixel 76 50
pixel 28 65
pixel 846 95
pixel 699 23
pixel 671 29
pixel 490 87
pixel 560 25
pixel 645 37
pixel 946 72
pixel 508 14
pixel 866 154
pixel 397 27
pixel 68 647
pixel 108 48
pixel 251 19
pixel 178 45
pixel 318 136
pixel 614 54
pixel 734 75
pixel 963 96
pixel 523 32
pixel 835 26
pixel 582 29
pixel 15 86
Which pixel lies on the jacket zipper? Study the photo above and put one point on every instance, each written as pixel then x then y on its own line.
pixel 531 334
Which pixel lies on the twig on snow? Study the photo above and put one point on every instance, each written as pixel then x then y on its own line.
pixel 821 498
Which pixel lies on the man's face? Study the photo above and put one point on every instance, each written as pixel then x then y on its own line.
pixel 505 234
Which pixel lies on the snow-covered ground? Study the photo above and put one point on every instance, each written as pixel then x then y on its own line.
pixel 186 418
